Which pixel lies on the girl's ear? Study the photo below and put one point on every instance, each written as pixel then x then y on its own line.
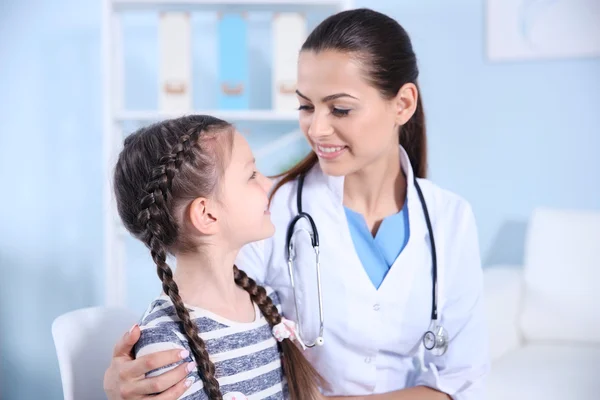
pixel 202 213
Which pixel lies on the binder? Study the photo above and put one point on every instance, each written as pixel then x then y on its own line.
pixel 289 33
pixel 205 60
pixel 175 66
pixel 233 68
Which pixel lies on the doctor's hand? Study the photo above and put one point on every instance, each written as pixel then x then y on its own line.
pixel 126 379
pixel 413 393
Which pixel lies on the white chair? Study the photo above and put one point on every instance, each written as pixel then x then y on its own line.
pixel 544 318
pixel 84 341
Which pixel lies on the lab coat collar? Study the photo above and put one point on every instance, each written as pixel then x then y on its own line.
pixel 415 211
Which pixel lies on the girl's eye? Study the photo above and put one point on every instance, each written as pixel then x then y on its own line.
pixel 304 107
pixel 253 175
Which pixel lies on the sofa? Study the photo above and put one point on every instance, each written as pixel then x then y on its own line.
pixel 544 316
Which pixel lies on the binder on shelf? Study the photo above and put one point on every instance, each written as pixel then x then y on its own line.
pixel 175 65
pixel 204 60
pixel 233 63
pixel 289 33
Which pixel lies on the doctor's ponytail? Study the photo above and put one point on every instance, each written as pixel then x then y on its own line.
pixel 384 50
pixel 413 138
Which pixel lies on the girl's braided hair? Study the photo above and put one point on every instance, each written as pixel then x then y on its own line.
pixel 160 171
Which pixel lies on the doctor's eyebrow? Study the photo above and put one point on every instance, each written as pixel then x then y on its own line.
pixel 327 98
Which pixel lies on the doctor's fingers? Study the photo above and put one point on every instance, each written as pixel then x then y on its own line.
pixel 125 345
pixel 173 393
pixel 172 383
pixel 138 368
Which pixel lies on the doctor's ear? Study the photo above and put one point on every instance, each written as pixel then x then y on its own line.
pixel 405 103
pixel 202 214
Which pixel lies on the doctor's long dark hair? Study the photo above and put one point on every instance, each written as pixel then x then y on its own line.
pixel 160 171
pixel 384 49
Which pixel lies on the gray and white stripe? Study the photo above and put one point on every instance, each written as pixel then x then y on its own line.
pixel 245 355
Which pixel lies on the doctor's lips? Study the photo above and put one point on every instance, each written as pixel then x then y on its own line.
pixel 329 151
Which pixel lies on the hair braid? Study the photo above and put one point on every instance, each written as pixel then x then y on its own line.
pixel 160 170
pixel 160 226
pixel 303 380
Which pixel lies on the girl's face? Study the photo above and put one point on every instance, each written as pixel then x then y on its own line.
pixel 244 197
pixel 237 213
pixel 347 122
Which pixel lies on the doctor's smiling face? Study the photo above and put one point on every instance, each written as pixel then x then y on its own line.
pixel 357 91
pixel 346 120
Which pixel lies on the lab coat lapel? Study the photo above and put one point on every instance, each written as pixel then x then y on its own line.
pixel 400 278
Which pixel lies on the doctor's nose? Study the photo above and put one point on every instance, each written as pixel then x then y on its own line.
pixel 319 126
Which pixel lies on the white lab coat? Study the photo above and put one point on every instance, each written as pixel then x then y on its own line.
pixel 373 337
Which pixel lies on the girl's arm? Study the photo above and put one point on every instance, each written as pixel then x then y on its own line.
pixel 161 338
pixel 125 377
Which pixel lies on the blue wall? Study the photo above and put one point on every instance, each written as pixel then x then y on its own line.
pixel 508 137
pixel 50 207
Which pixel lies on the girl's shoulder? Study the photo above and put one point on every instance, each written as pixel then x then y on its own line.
pixel 159 326
pixel 246 355
pixel 161 320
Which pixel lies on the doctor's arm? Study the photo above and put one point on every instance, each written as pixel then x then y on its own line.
pixel 413 393
pixel 462 370
pixel 459 374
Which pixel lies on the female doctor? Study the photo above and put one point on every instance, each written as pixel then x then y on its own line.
pixel 395 311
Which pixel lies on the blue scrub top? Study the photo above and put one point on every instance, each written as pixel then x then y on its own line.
pixel 378 253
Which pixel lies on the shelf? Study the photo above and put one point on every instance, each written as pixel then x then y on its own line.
pixel 227 115
pixel 118 120
pixel 230 5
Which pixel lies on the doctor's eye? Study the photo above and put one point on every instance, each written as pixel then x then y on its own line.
pixel 253 176
pixel 304 108
pixel 340 112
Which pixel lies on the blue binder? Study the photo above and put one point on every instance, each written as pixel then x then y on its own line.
pixel 233 63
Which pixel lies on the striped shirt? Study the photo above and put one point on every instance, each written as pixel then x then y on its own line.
pixel 245 355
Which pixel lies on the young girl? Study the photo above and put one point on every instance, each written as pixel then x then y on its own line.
pixel 189 187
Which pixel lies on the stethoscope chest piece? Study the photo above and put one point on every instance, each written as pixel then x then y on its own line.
pixel 436 339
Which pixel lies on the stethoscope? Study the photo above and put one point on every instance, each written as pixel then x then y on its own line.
pixel 434 339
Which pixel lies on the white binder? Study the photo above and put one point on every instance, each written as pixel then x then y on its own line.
pixel 175 66
pixel 289 33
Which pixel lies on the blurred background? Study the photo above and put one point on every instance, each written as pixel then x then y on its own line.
pixel 510 129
